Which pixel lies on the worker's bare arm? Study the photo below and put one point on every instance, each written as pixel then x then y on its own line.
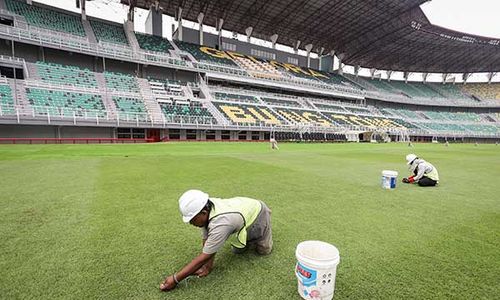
pixel 171 281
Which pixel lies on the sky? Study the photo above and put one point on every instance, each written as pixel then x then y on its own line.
pixel 479 17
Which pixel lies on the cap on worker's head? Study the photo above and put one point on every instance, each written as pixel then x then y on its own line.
pixel 410 158
pixel 191 203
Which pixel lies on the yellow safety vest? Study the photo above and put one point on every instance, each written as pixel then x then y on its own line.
pixel 248 208
pixel 433 174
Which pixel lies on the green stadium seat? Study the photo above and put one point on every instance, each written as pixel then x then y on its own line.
pixel 6 100
pixel 202 56
pixel 235 97
pixel 187 113
pixel 63 103
pixel 66 75
pixel 47 18
pixel 121 82
pixel 130 108
pixel 153 43
pixel 109 33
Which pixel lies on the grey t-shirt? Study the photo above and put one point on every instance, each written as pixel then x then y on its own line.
pixel 219 230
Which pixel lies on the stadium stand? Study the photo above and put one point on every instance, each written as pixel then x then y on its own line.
pixel 484 91
pixel 66 75
pixel 47 18
pixel 64 103
pixel 206 54
pixel 121 82
pixel 366 121
pixel 130 108
pixel 192 112
pixel 450 91
pixel 242 114
pixel 300 116
pixel 281 102
pixel 110 33
pixel 153 43
pixel 235 97
pixel 165 88
pixel 257 67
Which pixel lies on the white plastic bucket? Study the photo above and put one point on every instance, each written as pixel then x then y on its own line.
pixel 389 179
pixel 316 269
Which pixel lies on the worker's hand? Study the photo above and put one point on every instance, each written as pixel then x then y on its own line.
pixel 405 180
pixel 168 284
pixel 203 271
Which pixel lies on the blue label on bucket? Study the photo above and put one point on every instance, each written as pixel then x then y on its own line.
pixel 308 276
pixel 393 182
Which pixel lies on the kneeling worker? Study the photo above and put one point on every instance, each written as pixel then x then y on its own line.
pixel 424 173
pixel 245 222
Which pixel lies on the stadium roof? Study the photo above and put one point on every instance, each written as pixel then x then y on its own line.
pixel 381 34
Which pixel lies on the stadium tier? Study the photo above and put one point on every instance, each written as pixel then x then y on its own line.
pixel 66 75
pixel 483 90
pixel 153 43
pixel 63 103
pixel 47 18
pixel 110 33
pixel 206 54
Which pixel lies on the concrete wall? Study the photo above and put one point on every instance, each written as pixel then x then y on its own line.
pixel 31 131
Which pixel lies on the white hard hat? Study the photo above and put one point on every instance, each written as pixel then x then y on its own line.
pixel 191 203
pixel 410 158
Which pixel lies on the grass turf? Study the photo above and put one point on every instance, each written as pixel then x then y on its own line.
pixel 101 221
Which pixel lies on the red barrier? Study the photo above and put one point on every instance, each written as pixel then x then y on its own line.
pixel 73 141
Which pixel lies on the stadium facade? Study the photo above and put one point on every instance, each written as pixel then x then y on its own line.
pixel 67 75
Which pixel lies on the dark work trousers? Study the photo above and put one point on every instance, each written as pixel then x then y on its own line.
pixel 426 181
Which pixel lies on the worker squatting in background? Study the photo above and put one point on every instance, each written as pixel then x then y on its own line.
pixel 245 222
pixel 424 173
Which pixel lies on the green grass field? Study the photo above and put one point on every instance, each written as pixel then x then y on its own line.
pixel 102 221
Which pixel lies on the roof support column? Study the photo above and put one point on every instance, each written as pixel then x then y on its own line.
pixel 273 39
pixel 219 24
pixel 154 21
pixel 249 32
pixel 424 77
pixel 490 76
pixel 82 6
pixel 320 55
pixel 201 16
pixel 372 72
pixel 445 76
pixel 406 75
pixel 332 55
pixel 465 77
pixel 296 48
pixel 179 22
pixel 356 70
pixel 389 74
pixel 308 49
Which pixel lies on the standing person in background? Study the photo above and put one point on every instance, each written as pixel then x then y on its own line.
pixel 424 173
pixel 274 143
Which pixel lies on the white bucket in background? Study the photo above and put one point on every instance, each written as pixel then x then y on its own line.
pixel 389 179
pixel 316 269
